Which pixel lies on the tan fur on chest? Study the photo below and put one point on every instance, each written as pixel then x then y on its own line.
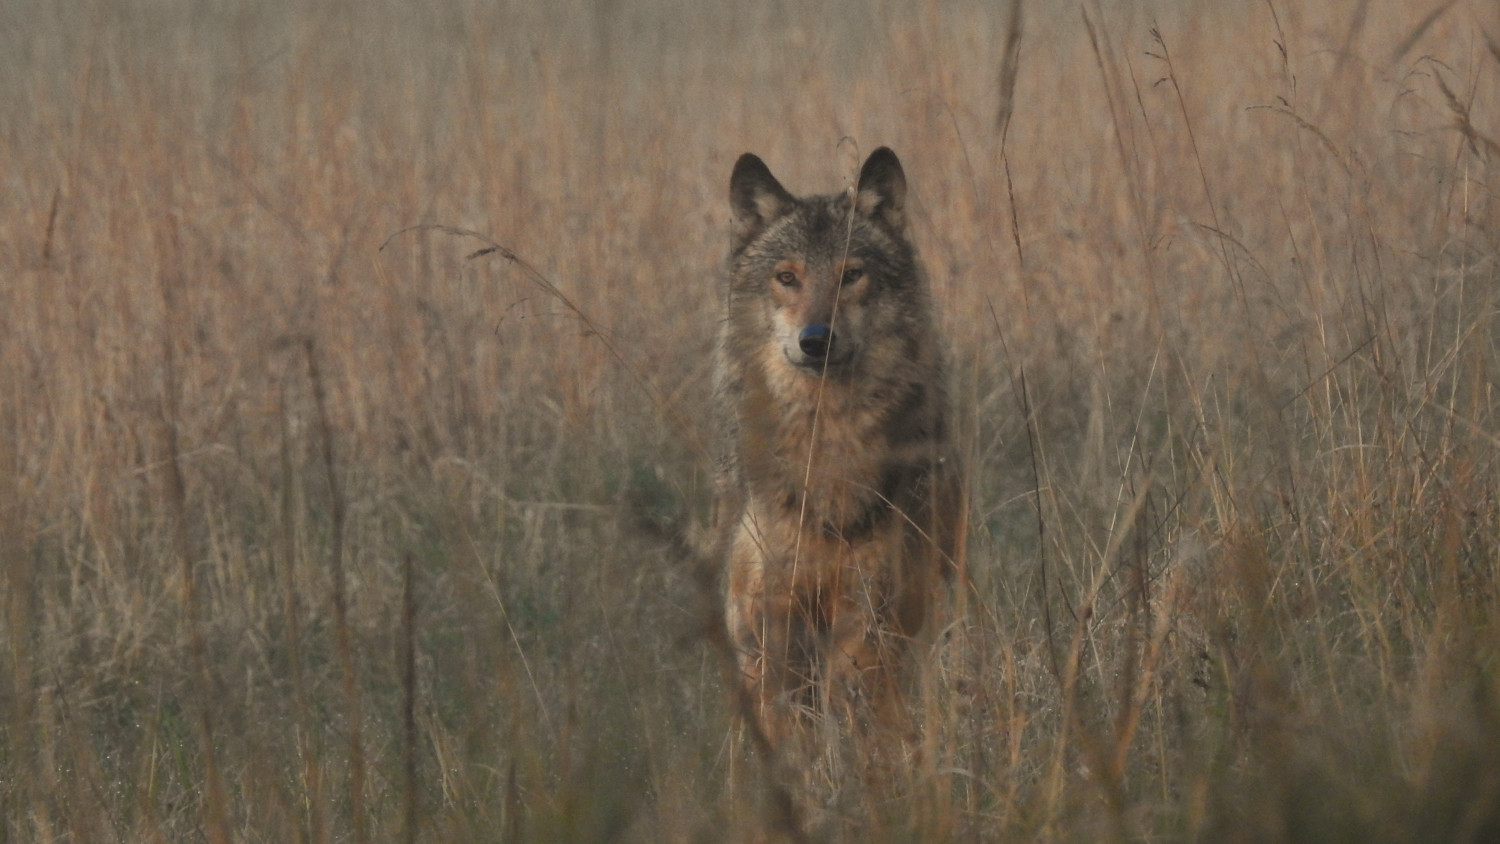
pixel 821 446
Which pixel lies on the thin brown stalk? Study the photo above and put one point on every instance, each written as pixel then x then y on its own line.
pixel 1010 65
pixel 1018 386
pixel 342 632
pixel 312 778
pixel 19 577
pixel 409 698
pixel 216 814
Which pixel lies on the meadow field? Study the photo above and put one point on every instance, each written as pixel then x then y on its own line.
pixel 354 374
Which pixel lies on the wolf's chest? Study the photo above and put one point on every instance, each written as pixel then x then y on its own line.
pixel 793 549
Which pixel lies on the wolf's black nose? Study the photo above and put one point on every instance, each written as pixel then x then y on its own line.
pixel 816 341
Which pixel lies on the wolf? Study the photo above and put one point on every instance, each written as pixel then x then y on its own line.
pixel 839 504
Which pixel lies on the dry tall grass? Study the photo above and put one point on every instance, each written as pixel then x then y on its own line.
pixel 313 531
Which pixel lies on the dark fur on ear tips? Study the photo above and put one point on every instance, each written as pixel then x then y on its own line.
pixel 756 199
pixel 882 189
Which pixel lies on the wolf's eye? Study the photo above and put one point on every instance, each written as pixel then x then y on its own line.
pixel 853 274
pixel 787 278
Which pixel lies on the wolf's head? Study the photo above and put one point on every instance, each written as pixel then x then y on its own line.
pixel 829 282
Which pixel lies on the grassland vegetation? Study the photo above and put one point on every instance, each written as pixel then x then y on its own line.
pixel 343 347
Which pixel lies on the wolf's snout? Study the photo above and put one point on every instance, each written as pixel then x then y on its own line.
pixel 816 341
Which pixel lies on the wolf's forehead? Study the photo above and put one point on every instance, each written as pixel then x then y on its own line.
pixel 821 227
pixel 823 218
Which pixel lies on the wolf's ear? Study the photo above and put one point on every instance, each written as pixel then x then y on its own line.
pixel 755 198
pixel 882 189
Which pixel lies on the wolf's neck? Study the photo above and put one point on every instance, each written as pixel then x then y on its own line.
pixel 820 449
